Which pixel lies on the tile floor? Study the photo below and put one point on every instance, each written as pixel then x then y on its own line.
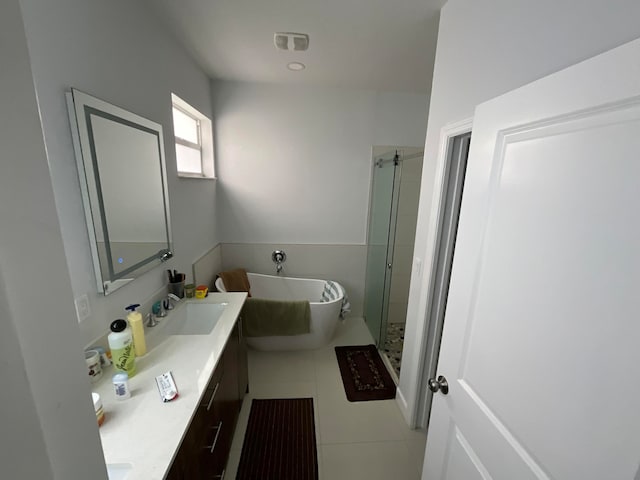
pixel 356 441
pixel 393 345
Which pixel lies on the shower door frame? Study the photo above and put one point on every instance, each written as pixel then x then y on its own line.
pixel 396 164
pixel 391 243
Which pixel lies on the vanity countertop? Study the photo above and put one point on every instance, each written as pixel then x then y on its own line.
pixel 142 430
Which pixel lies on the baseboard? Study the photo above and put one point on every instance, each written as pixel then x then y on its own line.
pixel 387 363
pixel 404 407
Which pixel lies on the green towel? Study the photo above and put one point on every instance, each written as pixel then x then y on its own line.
pixel 264 318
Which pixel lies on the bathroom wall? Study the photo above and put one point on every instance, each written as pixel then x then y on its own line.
pixel 295 162
pixel 49 430
pixel 295 167
pixel 486 49
pixel 118 52
pixel 207 267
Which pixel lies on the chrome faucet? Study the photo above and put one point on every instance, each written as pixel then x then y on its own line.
pixel 158 309
pixel 278 257
pixel 152 321
pixel 170 302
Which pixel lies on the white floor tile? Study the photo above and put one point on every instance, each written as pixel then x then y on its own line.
pixel 232 464
pixel 265 389
pixel 368 461
pixel 241 427
pixel 281 366
pixel 356 440
pixel 353 331
pixel 416 452
pixel 342 421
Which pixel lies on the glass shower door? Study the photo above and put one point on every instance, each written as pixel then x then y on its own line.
pixel 382 219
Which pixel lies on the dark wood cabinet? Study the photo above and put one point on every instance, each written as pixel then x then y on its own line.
pixel 243 363
pixel 205 447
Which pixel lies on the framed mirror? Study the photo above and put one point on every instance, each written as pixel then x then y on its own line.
pixel 121 166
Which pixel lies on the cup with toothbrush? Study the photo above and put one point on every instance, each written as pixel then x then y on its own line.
pixel 176 283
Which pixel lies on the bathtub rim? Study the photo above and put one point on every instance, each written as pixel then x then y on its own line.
pixel 249 274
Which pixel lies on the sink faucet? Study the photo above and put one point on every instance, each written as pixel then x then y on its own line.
pixel 168 304
pixel 152 321
pixel 158 309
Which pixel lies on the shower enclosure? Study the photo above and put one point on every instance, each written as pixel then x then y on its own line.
pixel 392 222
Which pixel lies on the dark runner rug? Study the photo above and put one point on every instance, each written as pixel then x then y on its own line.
pixel 280 441
pixel 364 375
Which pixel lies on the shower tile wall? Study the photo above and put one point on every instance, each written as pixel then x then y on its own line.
pixel 405 236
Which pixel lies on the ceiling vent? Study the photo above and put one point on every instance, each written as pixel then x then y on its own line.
pixel 291 41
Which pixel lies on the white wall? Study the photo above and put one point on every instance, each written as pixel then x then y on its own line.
pixel 486 49
pixel 48 429
pixel 294 162
pixel 116 51
pixel 295 165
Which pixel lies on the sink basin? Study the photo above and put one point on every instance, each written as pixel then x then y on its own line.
pixel 118 471
pixel 194 319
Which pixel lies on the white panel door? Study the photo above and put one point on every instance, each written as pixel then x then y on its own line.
pixel 541 342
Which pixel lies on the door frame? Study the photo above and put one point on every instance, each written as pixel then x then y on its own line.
pixel 431 330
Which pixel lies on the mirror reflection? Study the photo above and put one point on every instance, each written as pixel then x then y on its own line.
pixel 120 158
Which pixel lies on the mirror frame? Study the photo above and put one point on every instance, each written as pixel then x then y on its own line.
pixel 81 106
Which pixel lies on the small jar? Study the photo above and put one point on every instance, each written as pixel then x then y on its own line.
pixel 97 406
pixel 190 290
pixel 121 385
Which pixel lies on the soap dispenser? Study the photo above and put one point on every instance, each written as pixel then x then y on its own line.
pixel 121 344
pixel 137 329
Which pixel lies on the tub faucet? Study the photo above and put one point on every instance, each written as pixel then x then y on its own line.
pixel 278 257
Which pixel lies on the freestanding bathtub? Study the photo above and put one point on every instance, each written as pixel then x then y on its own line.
pixel 324 315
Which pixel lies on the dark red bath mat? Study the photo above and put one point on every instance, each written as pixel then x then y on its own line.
pixel 280 441
pixel 364 375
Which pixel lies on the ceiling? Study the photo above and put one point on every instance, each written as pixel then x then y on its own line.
pixel 386 45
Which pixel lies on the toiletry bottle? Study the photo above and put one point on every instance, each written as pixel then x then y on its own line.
pixel 137 329
pixel 121 344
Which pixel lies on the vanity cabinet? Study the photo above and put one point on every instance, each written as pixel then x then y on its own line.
pixel 205 447
pixel 243 363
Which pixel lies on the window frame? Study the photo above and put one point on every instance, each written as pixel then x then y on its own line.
pixel 205 139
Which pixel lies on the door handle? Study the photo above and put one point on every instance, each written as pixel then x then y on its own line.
pixel 440 384
pixel 212 447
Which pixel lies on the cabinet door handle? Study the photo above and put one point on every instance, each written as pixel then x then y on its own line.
pixel 212 447
pixel 213 395
pixel 221 476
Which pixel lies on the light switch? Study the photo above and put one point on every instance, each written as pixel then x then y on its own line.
pixel 83 309
pixel 418 266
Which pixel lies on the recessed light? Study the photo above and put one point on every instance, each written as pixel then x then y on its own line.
pixel 296 66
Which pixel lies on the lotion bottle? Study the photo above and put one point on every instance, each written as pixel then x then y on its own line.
pixel 121 344
pixel 137 329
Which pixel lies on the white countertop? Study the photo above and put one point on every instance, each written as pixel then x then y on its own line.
pixel 144 431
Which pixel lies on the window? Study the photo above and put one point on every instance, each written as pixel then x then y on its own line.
pixel 194 140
